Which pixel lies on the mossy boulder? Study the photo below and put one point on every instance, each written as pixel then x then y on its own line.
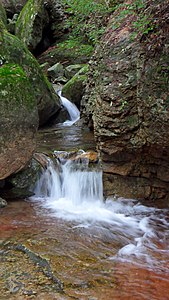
pixel 74 88
pixel 67 54
pixel 14 51
pixel 3 16
pixel 18 117
pixel 30 23
pixel 55 71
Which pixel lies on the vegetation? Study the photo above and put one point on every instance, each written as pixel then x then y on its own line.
pixel 87 19
pixel 142 23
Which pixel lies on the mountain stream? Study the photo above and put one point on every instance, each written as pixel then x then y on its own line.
pixel 68 242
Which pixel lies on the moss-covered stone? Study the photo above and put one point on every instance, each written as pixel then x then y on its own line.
pixel 19 119
pixel 3 16
pixel 74 88
pixel 71 70
pixel 30 23
pixel 67 54
pixel 15 52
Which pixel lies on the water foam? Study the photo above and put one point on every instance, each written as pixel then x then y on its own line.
pixel 73 111
pixel 74 193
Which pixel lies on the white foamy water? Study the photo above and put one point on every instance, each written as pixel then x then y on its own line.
pixel 74 192
pixel 73 111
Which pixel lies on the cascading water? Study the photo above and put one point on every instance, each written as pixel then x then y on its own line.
pixel 73 192
pixel 73 111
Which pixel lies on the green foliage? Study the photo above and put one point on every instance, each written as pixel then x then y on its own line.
pixel 76 45
pixel 86 19
pixel 142 23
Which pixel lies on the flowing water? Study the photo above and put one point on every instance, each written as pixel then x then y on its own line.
pixel 68 242
pixel 73 111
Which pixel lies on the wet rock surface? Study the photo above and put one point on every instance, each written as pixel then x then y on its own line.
pixel 3 202
pixel 126 97
pixel 46 258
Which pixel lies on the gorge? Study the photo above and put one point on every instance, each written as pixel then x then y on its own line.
pixel 86 180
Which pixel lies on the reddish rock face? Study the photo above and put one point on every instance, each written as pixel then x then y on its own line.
pixel 19 119
pixel 127 97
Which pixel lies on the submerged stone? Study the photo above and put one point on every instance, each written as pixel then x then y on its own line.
pixel 3 202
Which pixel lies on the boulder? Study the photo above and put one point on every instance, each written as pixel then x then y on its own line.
pixel 18 117
pixel 23 183
pixel 55 11
pixel 40 24
pixel 71 70
pixel 55 71
pixel 14 51
pixel 66 54
pixel 31 22
pixel 127 97
pixel 74 88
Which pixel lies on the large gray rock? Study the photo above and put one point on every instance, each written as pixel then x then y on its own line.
pixel 31 22
pixel 19 119
pixel 24 92
pixel 14 51
pixel 127 96
pixel 40 23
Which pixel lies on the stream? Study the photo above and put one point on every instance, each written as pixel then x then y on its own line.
pixel 68 242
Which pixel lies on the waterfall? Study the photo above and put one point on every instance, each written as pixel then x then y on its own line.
pixel 69 182
pixel 71 190
pixel 73 111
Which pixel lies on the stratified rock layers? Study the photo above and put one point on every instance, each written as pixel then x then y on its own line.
pixel 127 97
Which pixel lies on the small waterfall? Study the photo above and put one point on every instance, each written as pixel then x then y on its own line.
pixel 72 191
pixel 73 111
pixel 70 180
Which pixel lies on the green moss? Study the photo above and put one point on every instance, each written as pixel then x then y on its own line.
pixel 11 71
pixel 71 53
pixel 24 24
pixel 3 17
pixel 78 47
pixel 14 86
pixel 73 89
pixel 15 52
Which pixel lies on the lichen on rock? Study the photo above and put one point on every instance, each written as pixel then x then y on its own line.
pixel 127 97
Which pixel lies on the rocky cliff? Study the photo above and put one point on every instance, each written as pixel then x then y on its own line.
pixel 127 99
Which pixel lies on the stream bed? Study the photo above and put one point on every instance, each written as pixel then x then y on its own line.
pixel 97 251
